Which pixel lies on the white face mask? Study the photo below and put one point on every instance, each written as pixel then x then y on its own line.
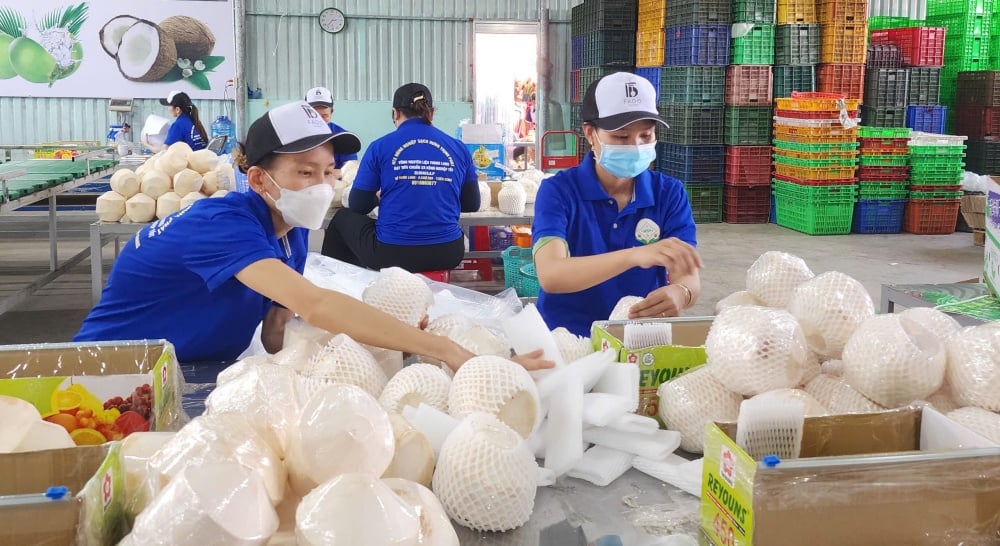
pixel 304 208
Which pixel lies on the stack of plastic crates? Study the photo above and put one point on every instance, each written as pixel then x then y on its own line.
pixel 885 97
pixel 922 52
pixel 883 177
pixel 650 37
pixel 977 116
pixel 936 166
pixel 845 43
pixel 967 41
pixel 796 54
pixel 815 162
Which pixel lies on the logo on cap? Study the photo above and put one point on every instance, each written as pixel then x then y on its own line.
pixel 310 112
pixel 631 90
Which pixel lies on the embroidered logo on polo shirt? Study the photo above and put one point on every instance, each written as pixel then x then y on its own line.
pixel 647 231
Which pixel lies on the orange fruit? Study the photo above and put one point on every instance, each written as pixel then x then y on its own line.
pixel 65 400
pixel 64 420
pixel 87 437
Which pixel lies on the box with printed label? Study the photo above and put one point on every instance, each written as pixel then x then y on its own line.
pixel 991 258
pixel 908 476
pixel 657 364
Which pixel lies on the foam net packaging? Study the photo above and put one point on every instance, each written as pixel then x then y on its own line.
pixel 838 397
pixel 894 361
pixel 742 297
pixel 401 294
pixel 811 406
pixel 415 384
pixel 571 346
pixel 974 366
pixel 355 509
pixel 983 422
pixel 690 401
pixel 451 325
pixel 756 349
pixel 620 312
pixel 499 387
pixel 343 360
pixel 479 340
pixel 830 307
pixel 775 275
pixel 485 475
pixel 936 322
pixel 943 400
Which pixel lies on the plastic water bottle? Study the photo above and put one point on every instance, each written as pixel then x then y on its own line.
pixel 223 126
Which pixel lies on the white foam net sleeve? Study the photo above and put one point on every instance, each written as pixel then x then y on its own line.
pixel 775 275
pixel 496 386
pixel 830 307
pixel 742 297
pixel 344 360
pixel 400 294
pixel 943 400
pixel 838 397
pixel 691 401
pixel 810 405
pixel 771 426
pixel 571 346
pixel 451 325
pixel 415 384
pixel 983 422
pixel 481 341
pixel 620 312
pixel 974 366
pixel 936 322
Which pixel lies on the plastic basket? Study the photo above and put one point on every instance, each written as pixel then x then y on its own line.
pixel 886 87
pixel 691 164
pixel 652 75
pixel 842 11
pixel 882 190
pixel 827 211
pixel 698 12
pixel 576 57
pixel 884 174
pixel 931 216
pixel 590 74
pixel 747 125
pixel 815 135
pixel 813 182
pixel 650 47
pixel 817 102
pixel 937 153
pixel 748 86
pixel 756 46
pixel 918 46
pixel 619 15
pixel 807 114
pixel 702 45
pixel 834 147
pixel 747 204
pixel 576 93
pixel 797 44
pixel 883 117
pixel 977 123
pixel 609 48
pixel 813 173
pixel 754 11
pixel 515 258
pixel 923 193
pixel 748 165
pixel 884 132
pixel 924 86
pixel 844 44
pixel 878 216
pixel 845 79
pixel 884 146
pixel 880 22
pixel 652 15
pixel 691 125
pixel 958 7
pixel 695 85
pixel 984 157
pixel 706 203
pixel 977 89
pixel 883 56
pixel 884 160
pixel 793 12
pixel 527 286
pixel 930 119
pixel 846 157
pixel 789 79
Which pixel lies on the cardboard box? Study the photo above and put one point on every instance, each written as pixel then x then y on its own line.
pixel 485 143
pixel 93 513
pixel 979 237
pixel 991 260
pixel 974 210
pixel 900 477
pixel 660 363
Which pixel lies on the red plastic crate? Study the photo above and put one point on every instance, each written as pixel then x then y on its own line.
pixel 919 46
pixel 931 216
pixel 884 174
pixel 844 44
pixel 749 85
pixel 748 165
pixel 977 123
pixel 842 11
pixel 747 204
pixel 576 94
pixel 443 275
pixel 845 79
pixel 884 146
pixel 483 265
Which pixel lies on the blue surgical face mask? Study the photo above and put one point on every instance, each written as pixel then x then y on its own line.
pixel 626 160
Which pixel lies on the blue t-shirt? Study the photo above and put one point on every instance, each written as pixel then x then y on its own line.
pixel 176 279
pixel 573 206
pixel 340 159
pixel 183 130
pixel 420 171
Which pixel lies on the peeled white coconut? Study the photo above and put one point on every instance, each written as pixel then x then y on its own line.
pixel 210 183
pixel 348 171
pixel 451 325
pixel 155 183
pixel 571 346
pixel 355 509
pixel 414 385
pixel 620 312
pixel 691 401
pixel 737 298
pixel 187 181
pixel 344 360
pixel 296 355
pixel 125 182
pixel 181 148
pixel 167 204
pixel 110 206
pixel 19 417
pixel 111 33
pixel 140 208
pixel 530 190
pixel 220 193
pixel 982 422
pixel 943 400
pixel 756 349
pixel 240 367
pixel 413 458
pixel 390 361
pixel 341 429
pixel 435 527
pixel 485 475
pixel 832 367
pixel 44 435
pixel 225 177
pixel 172 162
pixel 830 307
pixel 401 294
pixel 974 366
pixel 497 386
pixel 893 360
pixel 774 276
pixel 141 169
pixel 839 397
pixel 812 406
pixel 140 486
pixel 266 394
pixel 485 196
pixel 936 322
pixel 202 161
pixel 191 198
pixel 480 341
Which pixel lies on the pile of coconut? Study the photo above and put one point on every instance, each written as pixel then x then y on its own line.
pixel 167 182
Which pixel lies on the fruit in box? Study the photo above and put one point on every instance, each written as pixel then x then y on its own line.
pixel 90 421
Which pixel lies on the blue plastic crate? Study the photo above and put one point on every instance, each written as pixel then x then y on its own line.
pixel 878 216
pixel 700 165
pixel 699 45
pixel 577 58
pixel 773 218
pixel 929 119
pixel 651 74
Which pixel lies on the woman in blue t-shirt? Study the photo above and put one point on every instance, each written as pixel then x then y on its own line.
pixel 421 179
pixel 187 126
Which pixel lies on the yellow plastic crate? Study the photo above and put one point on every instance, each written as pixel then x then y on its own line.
pixel 652 15
pixel 816 104
pixel 649 48
pixel 797 12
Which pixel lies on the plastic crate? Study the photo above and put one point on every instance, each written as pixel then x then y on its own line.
pixel 919 46
pixel 610 15
pixel 576 21
pixel 690 125
pixel 923 193
pixel 754 47
pixel 703 45
pixel 883 117
pixel 591 74
pixel 575 120
pixel 835 147
pixel 815 135
pixel 797 12
pixel 844 44
pixel 984 157
pixel 747 125
pixel 976 64
pixel 815 182
pixel 832 115
pixel 886 87
pixel 880 22
pixel 652 75
pixel 885 132
pixel 924 86
pixel 878 216
pixel 754 11
pixel 691 164
pixel 695 85
pixel 976 88
pixel 575 90
pixel 787 79
pixel 883 56
pixel 650 47
pixel 515 258
pixel 748 165
pixel 846 12
pixel 797 44
pixel 977 123
pixel 886 160
pixel 812 156
pixel 706 203
pixel 576 50
pixel 968 24
pixel 929 119
pixel 808 170
pixel 814 210
pixel 699 12
pixel 973 47
pixel 609 48
pixel 884 146
pixel 931 216
pixel 748 86
pixel 652 15
pixel 958 7
pixel 882 190
pixel 817 102
pixel 747 204
pixel 846 79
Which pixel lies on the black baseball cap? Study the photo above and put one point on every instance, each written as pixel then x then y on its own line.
pixel 179 99
pixel 410 94
pixel 618 99
pixel 294 128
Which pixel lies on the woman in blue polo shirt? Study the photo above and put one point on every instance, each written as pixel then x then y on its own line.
pixel 187 126
pixel 610 227
pixel 421 179
pixel 321 100
pixel 204 277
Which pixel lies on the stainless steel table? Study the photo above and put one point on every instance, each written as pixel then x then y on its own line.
pixel 102 233
pixel 918 295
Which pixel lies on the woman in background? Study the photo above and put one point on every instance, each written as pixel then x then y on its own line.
pixel 187 126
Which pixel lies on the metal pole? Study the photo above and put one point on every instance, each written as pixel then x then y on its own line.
pixel 543 79
pixel 239 81
pixel 53 236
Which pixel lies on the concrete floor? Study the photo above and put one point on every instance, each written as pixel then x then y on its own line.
pixel 54 313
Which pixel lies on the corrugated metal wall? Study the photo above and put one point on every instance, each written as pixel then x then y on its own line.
pixel 386 43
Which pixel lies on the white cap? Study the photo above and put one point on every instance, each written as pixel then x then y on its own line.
pixel 319 96
pixel 619 99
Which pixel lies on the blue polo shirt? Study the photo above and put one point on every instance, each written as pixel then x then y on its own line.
pixel 420 171
pixel 573 206
pixel 176 279
pixel 183 130
pixel 340 159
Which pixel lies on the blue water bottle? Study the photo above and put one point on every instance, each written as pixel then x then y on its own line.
pixel 223 126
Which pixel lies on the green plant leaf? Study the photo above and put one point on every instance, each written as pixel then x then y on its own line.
pixel 70 18
pixel 212 62
pixel 200 80
pixel 11 22
pixel 172 76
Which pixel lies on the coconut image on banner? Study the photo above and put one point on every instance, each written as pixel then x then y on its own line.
pixel 43 50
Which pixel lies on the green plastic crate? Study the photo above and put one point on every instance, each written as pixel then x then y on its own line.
pixel 793 78
pixel 747 125
pixel 921 195
pixel 883 132
pixel 883 22
pixel 882 190
pixel 515 259
pixel 814 210
pixel 816 148
pixel 756 47
pixel 754 11
pixel 927 153
pixel 706 202
pixel 958 7
pixel 816 163
pixel 884 160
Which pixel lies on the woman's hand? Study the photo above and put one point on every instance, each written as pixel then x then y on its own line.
pixel 678 257
pixel 533 361
pixel 667 301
